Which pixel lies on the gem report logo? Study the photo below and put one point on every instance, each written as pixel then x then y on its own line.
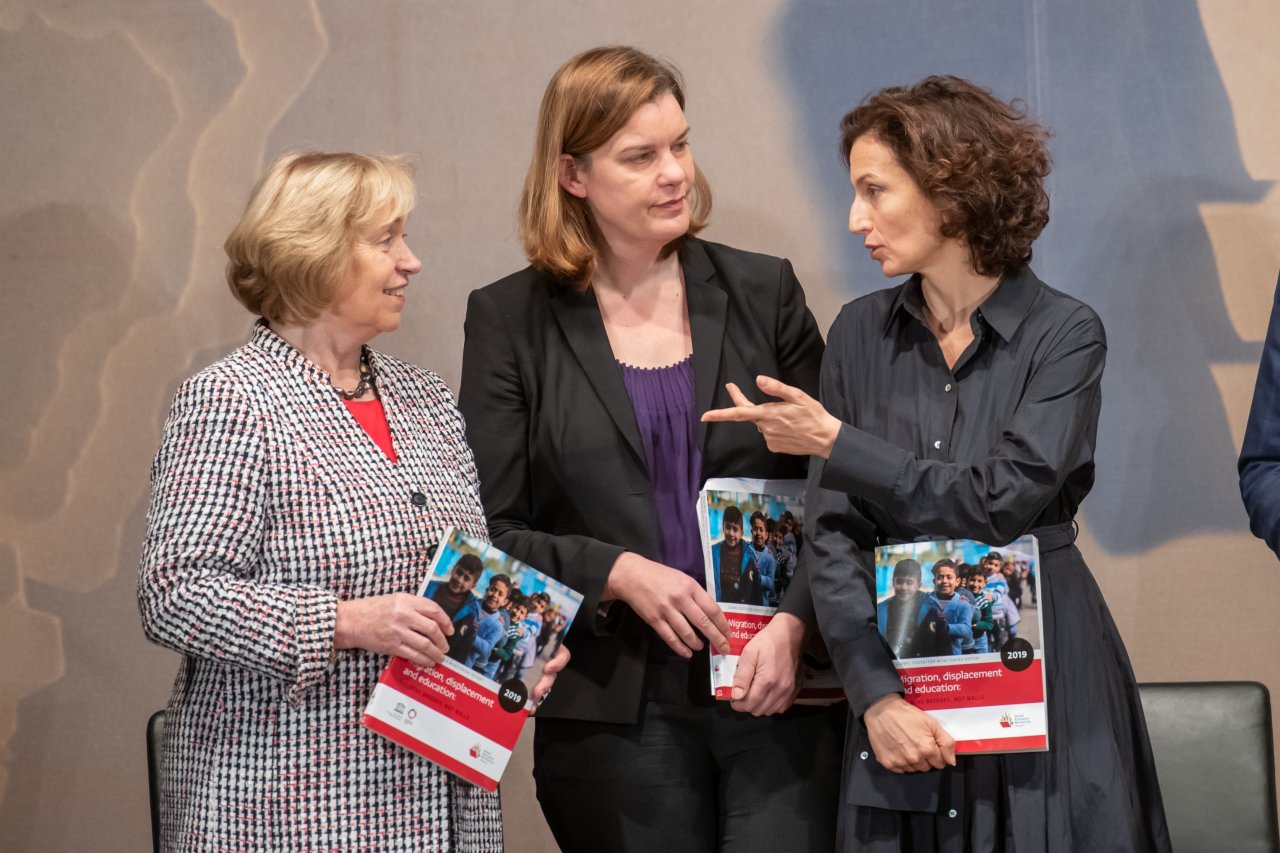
pixel 480 754
pixel 1014 721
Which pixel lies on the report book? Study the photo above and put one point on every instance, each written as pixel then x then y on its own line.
pixel 967 639
pixel 752 532
pixel 466 713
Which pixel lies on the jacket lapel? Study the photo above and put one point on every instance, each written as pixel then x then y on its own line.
pixel 708 306
pixel 580 320
pixel 583 327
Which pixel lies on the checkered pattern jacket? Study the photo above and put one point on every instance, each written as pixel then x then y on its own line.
pixel 270 504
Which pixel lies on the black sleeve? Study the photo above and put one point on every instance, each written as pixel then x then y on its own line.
pixel 837 555
pixel 800 351
pixel 998 498
pixel 496 408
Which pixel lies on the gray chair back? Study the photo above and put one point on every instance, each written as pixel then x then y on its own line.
pixel 155 747
pixel 1214 756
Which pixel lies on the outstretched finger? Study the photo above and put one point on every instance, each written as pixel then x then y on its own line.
pixel 781 390
pixel 735 413
pixel 739 399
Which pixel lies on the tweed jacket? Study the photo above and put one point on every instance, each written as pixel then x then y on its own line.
pixel 269 505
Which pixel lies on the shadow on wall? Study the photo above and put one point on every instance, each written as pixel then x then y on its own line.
pixel 1143 135
pixel 86 256
pixel 63 263
pixel 80 747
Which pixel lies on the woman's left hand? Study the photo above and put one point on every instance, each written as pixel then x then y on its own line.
pixel 540 690
pixel 798 424
pixel 767 679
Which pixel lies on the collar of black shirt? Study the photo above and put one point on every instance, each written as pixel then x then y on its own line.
pixel 1004 310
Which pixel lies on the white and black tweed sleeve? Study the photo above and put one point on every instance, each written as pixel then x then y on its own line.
pixel 201 586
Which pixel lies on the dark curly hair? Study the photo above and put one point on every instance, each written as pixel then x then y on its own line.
pixel 981 162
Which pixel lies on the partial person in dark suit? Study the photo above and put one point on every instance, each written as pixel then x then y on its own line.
pixel 1260 455
pixel 963 404
pixel 583 379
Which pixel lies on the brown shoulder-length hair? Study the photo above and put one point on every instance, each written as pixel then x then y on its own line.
pixel 589 99
pixel 981 162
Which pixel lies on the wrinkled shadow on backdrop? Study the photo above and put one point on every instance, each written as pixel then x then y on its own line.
pixel 1143 134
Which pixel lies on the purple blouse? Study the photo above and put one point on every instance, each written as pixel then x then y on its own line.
pixel 663 401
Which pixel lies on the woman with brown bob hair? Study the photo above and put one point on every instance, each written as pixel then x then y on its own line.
pixel 583 378
pixel 300 489
pixel 962 404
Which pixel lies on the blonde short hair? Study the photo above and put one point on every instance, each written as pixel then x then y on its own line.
pixel 589 99
pixel 296 239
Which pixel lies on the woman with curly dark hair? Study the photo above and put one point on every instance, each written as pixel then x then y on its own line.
pixel 962 403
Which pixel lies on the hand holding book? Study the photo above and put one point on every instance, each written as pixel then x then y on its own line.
pixel 670 602
pixel 767 678
pixel 465 711
pixel 769 651
pixel 906 739
pixel 399 624
pixel 960 678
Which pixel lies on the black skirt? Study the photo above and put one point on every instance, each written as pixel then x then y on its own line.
pixel 1096 787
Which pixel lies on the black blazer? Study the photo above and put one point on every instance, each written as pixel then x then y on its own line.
pixel 563 478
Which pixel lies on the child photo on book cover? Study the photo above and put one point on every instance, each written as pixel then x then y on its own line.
pixel 938 599
pixel 754 546
pixel 499 608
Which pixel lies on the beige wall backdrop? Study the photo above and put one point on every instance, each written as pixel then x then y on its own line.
pixel 133 130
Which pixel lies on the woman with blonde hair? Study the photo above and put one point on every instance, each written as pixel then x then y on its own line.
pixel 301 487
pixel 583 379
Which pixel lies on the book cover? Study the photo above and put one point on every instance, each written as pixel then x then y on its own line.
pixel 752 532
pixel 466 713
pixel 961 620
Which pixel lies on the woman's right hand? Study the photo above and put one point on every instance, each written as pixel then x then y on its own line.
pixel 906 739
pixel 400 624
pixel 671 602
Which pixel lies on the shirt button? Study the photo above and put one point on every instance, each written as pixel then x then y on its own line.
pixel 418 498
pixel 937 445
pixel 863 755
pixel 948 387
pixel 951 813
